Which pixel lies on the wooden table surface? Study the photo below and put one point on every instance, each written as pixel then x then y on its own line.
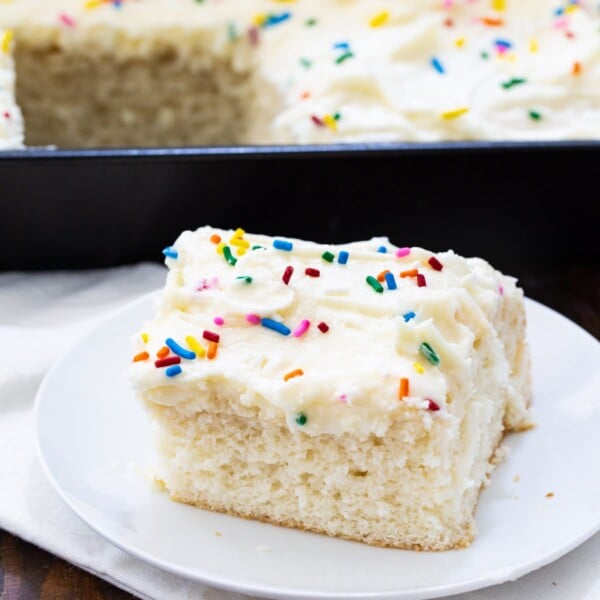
pixel 27 572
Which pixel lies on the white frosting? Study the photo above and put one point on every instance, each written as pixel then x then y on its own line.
pixel 351 373
pixel 11 122
pixel 389 89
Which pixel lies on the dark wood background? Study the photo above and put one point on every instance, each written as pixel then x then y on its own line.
pixel 27 572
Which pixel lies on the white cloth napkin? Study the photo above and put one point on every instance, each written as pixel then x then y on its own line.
pixel 40 315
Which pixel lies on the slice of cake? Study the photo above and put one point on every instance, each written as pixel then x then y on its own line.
pixel 11 123
pixel 180 72
pixel 359 390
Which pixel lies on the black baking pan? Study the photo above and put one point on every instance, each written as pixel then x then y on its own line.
pixel 516 204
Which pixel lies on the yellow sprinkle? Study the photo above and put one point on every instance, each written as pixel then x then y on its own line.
pixel 460 42
pixel 239 242
pixel 241 251
pixel 533 45
pixel 259 19
pixel 6 41
pixel 571 8
pixel 330 122
pixel 499 5
pixel 454 114
pixel 195 346
pixel 145 338
pixel 380 19
pixel 220 247
pixel 239 233
pixel 93 4
pixel 418 368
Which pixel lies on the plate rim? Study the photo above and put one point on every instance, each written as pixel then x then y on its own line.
pixel 267 591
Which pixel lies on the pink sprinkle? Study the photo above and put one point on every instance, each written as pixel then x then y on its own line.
pixel 253 319
pixel 220 321
pixel 421 281
pixel 431 405
pixel 402 252
pixel 302 328
pixel 66 20
pixel 343 399
pixel 501 291
pixel 323 327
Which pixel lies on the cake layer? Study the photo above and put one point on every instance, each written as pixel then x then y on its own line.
pixel 312 71
pixel 359 390
pixel 11 123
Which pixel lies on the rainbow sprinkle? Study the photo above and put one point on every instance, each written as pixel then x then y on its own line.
pixel 283 245
pixel 275 326
pixel 429 353
pixel 173 371
pixel 302 328
pixel 179 350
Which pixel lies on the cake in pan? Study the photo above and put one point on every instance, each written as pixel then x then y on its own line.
pixel 359 390
pixel 183 72
pixel 11 125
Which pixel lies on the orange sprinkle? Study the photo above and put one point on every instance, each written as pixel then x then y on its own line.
pixel 212 350
pixel 381 276
pixel 162 352
pixel 492 22
pixel 295 373
pixel 410 273
pixel 141 356
pixel 576 70
pixel 215 239
pixel 403 390
pixel 305 95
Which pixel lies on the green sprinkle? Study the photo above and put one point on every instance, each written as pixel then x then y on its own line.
pixel 301 418
pixel 328 256
pixel 535 115
pixel 310 22
pixel 429 353
pixel 232 34
pixel 256 247
pixel 232 260
pixel 306 63
pixel 340 59
pixel 246 278
pixel 337 116
pixel 512 82
pixel 485 55
pixel 375 284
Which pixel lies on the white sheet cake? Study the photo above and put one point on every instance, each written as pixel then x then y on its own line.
pixel 167 72
pixel 359 390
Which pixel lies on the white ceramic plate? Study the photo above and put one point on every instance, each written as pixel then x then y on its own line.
pixel 94 442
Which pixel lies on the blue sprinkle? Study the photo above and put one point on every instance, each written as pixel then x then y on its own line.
pixel 343 257
pixel 275 326
pixel 170 252
pixel 342 46
pixel 437 65
pixel 382 249
pixel 283 245
pixel 173 371
pixel 179 350
pixel 503 43
pixel 408 316
pixel 276 19
pixel 391 281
